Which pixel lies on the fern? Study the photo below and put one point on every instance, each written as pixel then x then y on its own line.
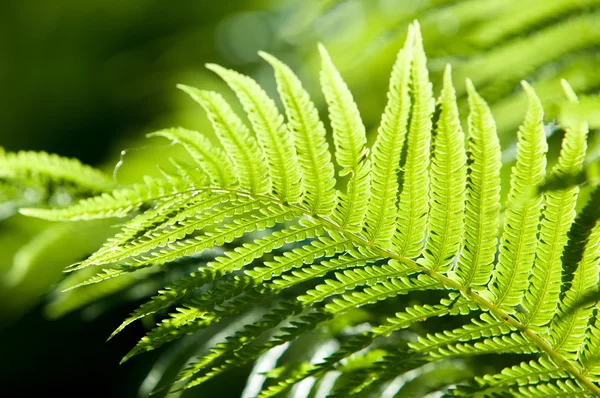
pixel 420 212
pixel 487 42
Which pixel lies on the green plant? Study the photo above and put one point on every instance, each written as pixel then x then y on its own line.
pixel 419 211
pixel 485 41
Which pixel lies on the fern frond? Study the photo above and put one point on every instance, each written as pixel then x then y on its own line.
pixel 350 140
pixel 418 313
pixel 212 160
pixel 237 349
pixel 381 287
pixel 271 131
pixel 416 222
pixel 161 215
pixel 221 265
pixel 541 300
pixel 381 211
pixel 477 329
pixel 589 353
pixel 569 330
pixel 483 196
pixel 318 178
pixel 352 258
pixel 212 210
pixel 559 388
pixel 413 206
pixel 55 168
pixel 119 203
pixel 296 258
pixel 519 238
pixel 568 327
pixel 513 343
pixel 267 217
pixel 448 180
pixel 247 156
pixel 359 342
pixel 348 129
pixel 527 373
pixel 381 282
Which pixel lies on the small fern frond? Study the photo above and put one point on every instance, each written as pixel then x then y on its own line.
pixel 350 145
pixel 308 132
pixel 247 156
pixel 541 300
pixel 206 213
pixel 483 196
pixel 119 203
pixel 448 180
pixel 381 211
pixel 413 206
pixel 271 132
pixel 519 238
pixel 55 169
pixel 570 322
pixel 212 160
pixel 348 129
pixel 265 218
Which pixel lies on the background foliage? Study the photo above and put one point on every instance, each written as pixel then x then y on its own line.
pixel 87 79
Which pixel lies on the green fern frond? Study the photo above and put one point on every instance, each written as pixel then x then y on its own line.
pixel 351 259
pixel 119 203
pixel 212 160
pixel 569 324
pixel 416 229
pixel 350 146
pixel 271 132
pixel 541 300
pixel 265 218
pixel 54 168
pixel 412 212
pixel 247 156
pixel 483 196
pixel 308 133
pixel 519 238
pixel 448 180
pixel 382 209
pixel 172 230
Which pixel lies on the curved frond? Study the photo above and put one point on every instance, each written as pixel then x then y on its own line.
pixel 260 248
pixel 213 161
pixel 308 132
pixel 271 131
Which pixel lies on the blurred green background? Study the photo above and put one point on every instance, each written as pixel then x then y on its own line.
pixel 87 79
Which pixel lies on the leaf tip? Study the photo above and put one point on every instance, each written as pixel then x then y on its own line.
pixel 568 90
pixel 448 75
pixel 218 69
